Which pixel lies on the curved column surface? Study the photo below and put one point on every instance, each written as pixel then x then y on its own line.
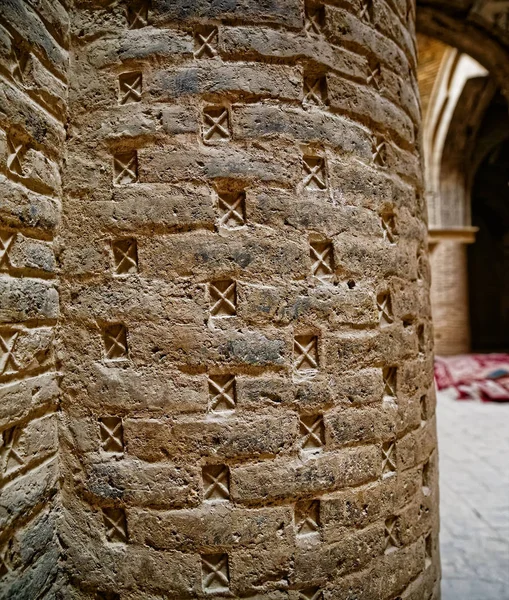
pixel 247 387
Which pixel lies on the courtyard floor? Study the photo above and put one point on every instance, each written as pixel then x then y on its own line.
pixel 474 499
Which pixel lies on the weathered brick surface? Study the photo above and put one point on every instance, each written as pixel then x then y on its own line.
pixel 243 328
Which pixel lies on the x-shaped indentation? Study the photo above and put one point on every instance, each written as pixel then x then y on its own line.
pixel 365 10
pixel 130 87
pixel 314 20
pixel 216 124
pixel 390 534
pixel 5 566
pixel 312 432
pixel 125 168
pixel 112 439
pixel 115 524
pixel 215 572
pixel 8 363
pixel 9 452
pixel 216 479
pixel 315 177
pixel 311 594
pixel 390 379
pixel 379 148
pixel 223 298
pixel 125 253
pixel 384 305
pixel 305 353
pixel 322 257
pixel 389 226
pixel 315 91
pixel 388 458
pixel 6 240
pixel 19 59
pixel 137 16
pixel 232 209
pixel 222 392
pixel 204 43
pixel 115 341
pixel 307 517
pixel 375 76
pixel 15 153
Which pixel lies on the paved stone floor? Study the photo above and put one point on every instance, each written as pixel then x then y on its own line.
pixel 474 480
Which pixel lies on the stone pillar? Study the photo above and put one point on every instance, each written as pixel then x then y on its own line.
pixel 245 341
pixel 33 68
pixel 449 289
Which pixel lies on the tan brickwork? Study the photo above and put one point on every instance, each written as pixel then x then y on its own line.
pixel 33 89
pixel 244 344
pixel 449 296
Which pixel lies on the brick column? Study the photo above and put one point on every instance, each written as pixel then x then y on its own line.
pixel 449 289
pixel 248 378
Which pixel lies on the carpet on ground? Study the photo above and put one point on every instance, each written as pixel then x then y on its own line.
pixel 474 376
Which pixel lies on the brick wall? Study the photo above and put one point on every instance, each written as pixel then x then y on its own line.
pixel 33 88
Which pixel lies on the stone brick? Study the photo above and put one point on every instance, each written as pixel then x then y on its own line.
pixel 21 398
pixel 219 526
pixel 361 425
pixel 276 11
pixel 261 121
pixel 135 482
pixel 21 208
pixel 272 480
pixel 26 299
pixel 272 81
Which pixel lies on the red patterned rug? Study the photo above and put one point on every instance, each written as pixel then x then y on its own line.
pixel 474 376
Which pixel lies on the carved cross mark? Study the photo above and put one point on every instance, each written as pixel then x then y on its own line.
pixel 115 524
pixel 391 540
pixel 379 151
pixel 366 11
pixel 216 126
pixel 322 260
pixel 389 226
pixel 390 380
pixel 421 338
pixel 205 42
pixel 15 154
pixel 232 210
pixel 216 482
pixel 10 456
pixel 130 86
pixel 137 14
pixel 312 432
pixel 424 409
pixel 19 60
pixel 426 478
pixel 125 256
pixel 223 298
pixel 125 168
pixel 8 363
pixel 388 458
pixel 115 341
pixel 314 20
pixel 428 544
pixel 315 91
pixel 215 573
pixel 312 593
pixel 305 352
pixel 315 175
pixel 374 77
pixel 222 393
pixel 307 518
pixel 5 563
pixel 6 240
pixel 384 305
pixel 112 434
